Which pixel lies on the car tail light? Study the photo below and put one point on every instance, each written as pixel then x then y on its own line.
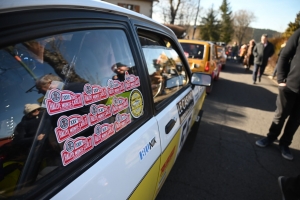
pixel 206 67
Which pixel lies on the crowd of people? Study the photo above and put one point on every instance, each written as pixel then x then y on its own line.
pixel 287 114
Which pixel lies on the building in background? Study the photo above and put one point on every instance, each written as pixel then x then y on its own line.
pixel 143 6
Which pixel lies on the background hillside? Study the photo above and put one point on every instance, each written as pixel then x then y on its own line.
pixel 258 32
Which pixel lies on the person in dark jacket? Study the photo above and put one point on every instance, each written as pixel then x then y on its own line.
pixel 275 70
pixel 288 78
pixel 262 53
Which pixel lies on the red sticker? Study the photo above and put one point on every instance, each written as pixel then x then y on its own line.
pixel 122 120
pixel 99 113
pixel 115 87
pixel 131 81
pixel 75 148
pixel 103 132
pixel 119 104
pixel 70 126
pixel 61 101
pixel 93 93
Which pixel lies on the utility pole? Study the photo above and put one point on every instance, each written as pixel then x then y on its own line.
pixel 196 19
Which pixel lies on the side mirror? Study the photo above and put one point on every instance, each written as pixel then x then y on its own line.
pixel 201 79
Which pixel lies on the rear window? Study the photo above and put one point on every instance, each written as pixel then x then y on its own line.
pixel 193 50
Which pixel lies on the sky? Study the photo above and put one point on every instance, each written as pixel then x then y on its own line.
pixel 270 14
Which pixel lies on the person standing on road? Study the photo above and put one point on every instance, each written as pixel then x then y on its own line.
pixel 289 187
pixel 262 53
pixel 275 69
pixel 249 56
pixel 288 99
pixel 234 51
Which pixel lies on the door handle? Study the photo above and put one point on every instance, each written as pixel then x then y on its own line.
pixel 170 125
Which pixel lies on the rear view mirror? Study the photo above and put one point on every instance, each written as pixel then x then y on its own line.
pixel 201 79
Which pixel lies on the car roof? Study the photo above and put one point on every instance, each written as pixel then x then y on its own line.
pixel 17 5
pixel 95 5
pixel 195 41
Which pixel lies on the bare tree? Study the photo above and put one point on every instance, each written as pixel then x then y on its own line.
pixel 180 12
pixel 241 21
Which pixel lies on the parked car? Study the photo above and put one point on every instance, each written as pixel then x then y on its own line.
pixel 97 101
pixel 222 55
pixel 202 57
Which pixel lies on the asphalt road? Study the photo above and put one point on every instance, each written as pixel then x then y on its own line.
pixel 225 163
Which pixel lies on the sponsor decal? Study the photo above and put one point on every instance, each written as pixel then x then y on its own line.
pixel 122 120
pixel 162 170
pixel 147 148
pixel 136 103
pixel 61 101
pixel 103 132
pixel 93 93
pixel 70 126
pixel 131 81
pixel 185 106
pixel 197 91
pixel 99 113
pixel 75 148
pixel 119 104
pixel 115 87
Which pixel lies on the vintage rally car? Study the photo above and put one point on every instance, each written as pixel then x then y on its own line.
pixel 97 101
pixel 202 57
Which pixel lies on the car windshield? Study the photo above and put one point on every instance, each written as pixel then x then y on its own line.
pixel 193 50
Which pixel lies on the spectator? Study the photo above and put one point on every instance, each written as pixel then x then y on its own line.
pixel 288 98
pixel 243 51
pixel 289 187
pixel 234 51
pixel 262 53
pixel 281 48
pixel 249 57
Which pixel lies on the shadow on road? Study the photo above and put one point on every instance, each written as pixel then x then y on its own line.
pixel 244 95
pixel 225 163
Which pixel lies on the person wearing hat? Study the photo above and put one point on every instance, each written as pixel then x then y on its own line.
pixel 26 129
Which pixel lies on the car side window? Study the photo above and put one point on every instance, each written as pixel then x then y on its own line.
pixel 166 71
pixel 62 97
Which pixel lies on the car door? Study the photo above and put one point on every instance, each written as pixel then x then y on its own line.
pixel 173 96
pixel 95 136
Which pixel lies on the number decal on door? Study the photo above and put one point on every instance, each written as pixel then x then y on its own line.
pixel 185 129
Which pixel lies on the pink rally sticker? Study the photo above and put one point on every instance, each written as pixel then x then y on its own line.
pixel 103 132
pixel 122 120
pixel 93 93
pixel 75 148
pixel 70 126
pixel 61 101
pixel 99 113
pixel 119 104
pixel 131 81
pixel 115 87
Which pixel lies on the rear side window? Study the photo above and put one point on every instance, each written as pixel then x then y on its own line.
pixel 193 50
pixel 166 71
pixel 62 96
